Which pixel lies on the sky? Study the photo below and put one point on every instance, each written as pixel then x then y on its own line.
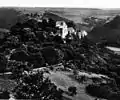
pixel 62 3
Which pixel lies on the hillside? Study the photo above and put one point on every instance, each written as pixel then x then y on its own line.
pixel 11 15
pixel 39 65
pixel 109 31
pixel 75 14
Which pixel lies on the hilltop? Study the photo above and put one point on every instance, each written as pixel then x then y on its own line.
pixel 13 14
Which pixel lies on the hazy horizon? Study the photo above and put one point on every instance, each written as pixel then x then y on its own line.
pixel 60 7
pixel 98 4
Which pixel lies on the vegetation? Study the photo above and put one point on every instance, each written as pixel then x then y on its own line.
pixel 35 44
pixel 98 91
pixel 72 90
pixel 4 94
pixel 35 86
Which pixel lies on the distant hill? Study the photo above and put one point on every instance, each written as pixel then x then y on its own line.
pixel 74 14
pixel 10 15
pixel 109 31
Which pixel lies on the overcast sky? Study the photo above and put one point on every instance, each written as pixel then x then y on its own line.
pixel 62 3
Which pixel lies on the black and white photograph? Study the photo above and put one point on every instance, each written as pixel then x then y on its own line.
pixel 59 50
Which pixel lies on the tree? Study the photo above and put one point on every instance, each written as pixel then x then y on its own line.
pixel 4 94
pixel 72 90
pixel 44 24
pixel 3 63
pixel 17 68
pixel 51 55
pixel 51 23
pixel 71 24
pixel 35 86
pixel 98 91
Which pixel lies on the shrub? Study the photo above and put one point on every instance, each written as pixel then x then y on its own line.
pixel 98 91
pixel 72 90
pixel 3 62
pixel 68 54
pixel 37 59
pixel 4 94
pixel 51 55
pixel 35 86
pixel 20 55
pixel 18 68
pixel 114 96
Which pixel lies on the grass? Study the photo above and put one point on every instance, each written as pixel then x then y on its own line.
pixel 62 80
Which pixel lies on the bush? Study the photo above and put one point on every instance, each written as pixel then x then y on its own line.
pixel 114 96
pixel 68 54
pixel 98 91
pixel 20 55
pixel 4 94
pixel 51 55
pixel 37 59
pixel 72 90
pixel 17 68
pixel 3 63
pixel 35 86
